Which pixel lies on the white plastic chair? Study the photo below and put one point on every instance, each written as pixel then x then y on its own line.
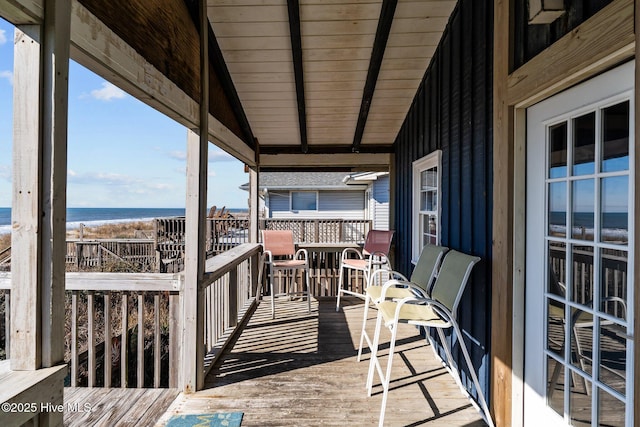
pixel 399 287
pixel 280 254
pixel 374 255
pixel 437 312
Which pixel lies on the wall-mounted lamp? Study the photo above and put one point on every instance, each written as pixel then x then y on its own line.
pixel 545 11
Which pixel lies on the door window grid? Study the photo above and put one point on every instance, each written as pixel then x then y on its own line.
pixel 575 308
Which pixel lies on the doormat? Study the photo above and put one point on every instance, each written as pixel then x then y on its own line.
pixel 220 419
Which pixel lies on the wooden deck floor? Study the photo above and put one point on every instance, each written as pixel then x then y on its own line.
pixel 300 370
pixel 115 406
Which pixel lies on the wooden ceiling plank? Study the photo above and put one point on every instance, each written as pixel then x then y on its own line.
pixel 256 29
pixel 410 9
pixel 334 66
pixel 253 42
pixel 20 12
pixel 245 14
pixel 265 67
pixel 321 28
pixel 340 12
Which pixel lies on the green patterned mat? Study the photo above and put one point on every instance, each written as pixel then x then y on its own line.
pixel 221 419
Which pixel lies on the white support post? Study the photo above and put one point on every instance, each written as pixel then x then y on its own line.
pixel 197 152
pixel 41 69
pixel 254 205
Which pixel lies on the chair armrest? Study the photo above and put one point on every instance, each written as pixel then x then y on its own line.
pixel 617 300
pixel 305 255
pixel 406 284
pixel 395 274
pixel 347 251
pixel 268 257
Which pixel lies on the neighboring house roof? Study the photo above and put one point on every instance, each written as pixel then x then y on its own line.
pixel 305 181
pixel 363 177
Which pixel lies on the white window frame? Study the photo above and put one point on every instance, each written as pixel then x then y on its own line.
pixel 433 160
pixel 303 210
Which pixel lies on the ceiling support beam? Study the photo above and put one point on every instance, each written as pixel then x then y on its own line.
pixel 296 50
pixel 379 46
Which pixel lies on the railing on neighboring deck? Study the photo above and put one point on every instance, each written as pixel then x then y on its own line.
pixel 124 329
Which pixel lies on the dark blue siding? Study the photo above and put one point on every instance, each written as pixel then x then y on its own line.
pixel 452 111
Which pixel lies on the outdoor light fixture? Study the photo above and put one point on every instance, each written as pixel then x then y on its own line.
pixel 545 11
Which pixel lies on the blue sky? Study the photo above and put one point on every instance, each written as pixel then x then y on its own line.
pixel 121 153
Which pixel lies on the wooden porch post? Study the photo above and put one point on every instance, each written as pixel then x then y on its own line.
pixel 41 70
pixel 254 205
pixel 197 148
pixel 502 264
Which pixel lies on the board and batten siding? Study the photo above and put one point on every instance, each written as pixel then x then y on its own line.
pixel 452 112
pixel 331 204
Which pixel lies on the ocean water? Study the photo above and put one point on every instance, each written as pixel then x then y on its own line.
pixel 97 216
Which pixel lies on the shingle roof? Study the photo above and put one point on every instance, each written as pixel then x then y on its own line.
pixel 303 180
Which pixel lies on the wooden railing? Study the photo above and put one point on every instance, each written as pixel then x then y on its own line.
pixel 321 230
pixel 613 277
pixel 124 329
pixel 111 255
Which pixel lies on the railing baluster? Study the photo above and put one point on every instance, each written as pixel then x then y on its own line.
pixel 140 370
pixel 107 339
pixel 157 340
pixel 74 339
pixel 91 342
pixel 174 338
pixel 124 342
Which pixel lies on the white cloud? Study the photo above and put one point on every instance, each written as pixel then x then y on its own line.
pixel 211 173
pixel 5 172
pixel 6 74
pixel 108 92
pixel 220 156
pixel 3 37
pixel 178 155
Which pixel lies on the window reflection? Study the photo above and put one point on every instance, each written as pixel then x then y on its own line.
pixel 558 150
pixel 611 410
pixel 582 340
pixel 613 282
pixel 557 215
pixel 613 355
pixel 580 402
pixel 615 138
pixel 614 205
pixel 584 144
pixel 583 207
pixel 555 385
pixel 582 275
pixel 557 268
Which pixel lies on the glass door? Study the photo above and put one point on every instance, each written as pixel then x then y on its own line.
pixel 579 317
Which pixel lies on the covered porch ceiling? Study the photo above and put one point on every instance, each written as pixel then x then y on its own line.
pixel 322 84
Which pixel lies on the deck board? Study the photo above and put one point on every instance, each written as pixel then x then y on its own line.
pixel 300 369
pixel 115 406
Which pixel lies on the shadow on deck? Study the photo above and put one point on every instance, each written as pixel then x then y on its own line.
pixel 300 369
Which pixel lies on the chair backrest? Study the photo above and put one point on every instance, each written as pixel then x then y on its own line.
pixel 378 241
pixel 278 242
pixel 427 266
pixel 452 278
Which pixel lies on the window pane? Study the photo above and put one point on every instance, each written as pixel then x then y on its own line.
pixel 584 144
pixel 611 411
pixel 613 282
pixel 614 206
pixel 558 151
pixel 557 268
pixel 583 204
pixel 613 355
pixel 582 277
pixel 555 385
pixel 555 327
pixel 615 138
pixel 580 402
pixel 582 340
pixel 303 201
pixel 558 209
